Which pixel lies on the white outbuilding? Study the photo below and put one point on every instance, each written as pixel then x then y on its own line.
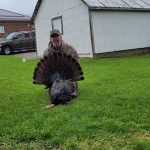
pixel 94 27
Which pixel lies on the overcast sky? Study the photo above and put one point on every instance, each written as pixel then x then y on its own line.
pixel 25 7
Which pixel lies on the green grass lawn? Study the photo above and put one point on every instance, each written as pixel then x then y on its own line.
pixel 111 112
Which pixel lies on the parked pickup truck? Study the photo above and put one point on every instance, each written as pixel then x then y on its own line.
pixel 17 41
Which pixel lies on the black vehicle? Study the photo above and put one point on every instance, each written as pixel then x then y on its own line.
pixel 17 41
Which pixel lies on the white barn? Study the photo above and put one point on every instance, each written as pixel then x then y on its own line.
pixel 94 26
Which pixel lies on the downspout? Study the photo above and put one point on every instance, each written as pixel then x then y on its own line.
pixel 91 31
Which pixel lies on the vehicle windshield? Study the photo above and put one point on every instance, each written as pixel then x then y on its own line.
pixel 10 36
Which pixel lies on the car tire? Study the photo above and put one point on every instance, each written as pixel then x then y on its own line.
pixel 7 50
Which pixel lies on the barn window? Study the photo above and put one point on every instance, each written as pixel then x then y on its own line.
pixel 57 23
pixel 2 29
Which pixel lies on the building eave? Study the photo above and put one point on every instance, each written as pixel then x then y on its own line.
pixel 14 20
pixel 121 9
pixel 38 4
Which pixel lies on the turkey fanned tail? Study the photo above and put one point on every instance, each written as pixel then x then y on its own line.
pixel 60 65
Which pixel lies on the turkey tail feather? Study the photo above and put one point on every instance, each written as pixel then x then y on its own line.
pixel 65 65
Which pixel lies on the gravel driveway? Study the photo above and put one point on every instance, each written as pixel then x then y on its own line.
pixel 26 55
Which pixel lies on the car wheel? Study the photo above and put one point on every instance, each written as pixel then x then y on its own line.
pixel 7 50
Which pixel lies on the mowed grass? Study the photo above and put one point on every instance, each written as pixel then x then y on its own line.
pixel 111 112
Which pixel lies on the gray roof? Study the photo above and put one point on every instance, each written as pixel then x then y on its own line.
pixel 143 5
pixel 6 15
pixel 116 4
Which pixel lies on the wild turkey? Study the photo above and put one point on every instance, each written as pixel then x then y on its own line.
pixel 58 71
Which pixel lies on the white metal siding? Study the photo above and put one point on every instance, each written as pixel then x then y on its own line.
pixel 75 24
pixel 120 30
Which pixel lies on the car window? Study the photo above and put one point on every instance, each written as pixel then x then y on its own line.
pixel 9 36
pixel 26 35
pixel 19 36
